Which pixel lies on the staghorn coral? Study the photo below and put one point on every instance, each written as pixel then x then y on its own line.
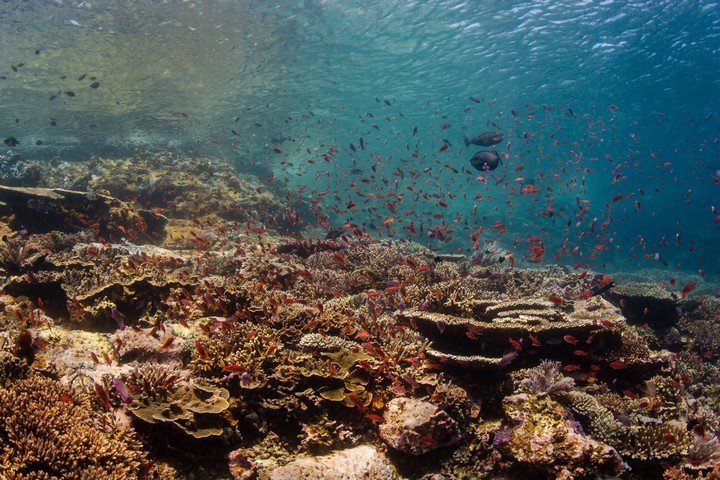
pixel 678 473
pixel 667 397
pixel 652 441
pixel 647 439
pixel 254 347
pixel 152 382
pixel 48 431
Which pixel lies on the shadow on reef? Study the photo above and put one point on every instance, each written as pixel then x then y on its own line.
pixel 211 345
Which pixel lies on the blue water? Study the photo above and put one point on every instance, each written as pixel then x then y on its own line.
pixel 609 98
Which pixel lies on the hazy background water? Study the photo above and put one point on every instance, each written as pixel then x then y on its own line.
pixel 608 98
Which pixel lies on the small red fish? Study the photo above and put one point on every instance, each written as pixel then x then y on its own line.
pixel 167 343
pixel 356 400
pixel 473 331
pixel 374 417
pixel 687 289
pixel 515 344
pixel 570 339
pixel 630 394
pixel 604 281
pixel 571 367
pixel 556 299
pixel 102 394
pixel 234 368
pixel 64 397
pixel 534 340
pixel 147 469
pixel 618 365
pixel 340 258
pixel 428 440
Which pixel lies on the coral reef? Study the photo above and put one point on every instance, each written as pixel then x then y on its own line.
pixel 216 330
pixel 42 210
pixel 494 335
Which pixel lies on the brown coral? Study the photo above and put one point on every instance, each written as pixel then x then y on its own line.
pixel 48 431
pixel 194 408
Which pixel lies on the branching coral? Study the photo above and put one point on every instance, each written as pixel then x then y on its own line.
pixel 48 431
pixel 11 368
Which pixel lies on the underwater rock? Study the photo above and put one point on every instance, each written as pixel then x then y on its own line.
pixel 415 426
pixel 646 303
pixel 359 463
pixel 543 440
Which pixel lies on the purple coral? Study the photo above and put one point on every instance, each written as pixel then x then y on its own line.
pixel 546 378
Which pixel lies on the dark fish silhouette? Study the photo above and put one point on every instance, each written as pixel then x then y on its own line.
pixel 485 160
pixel 487 139
pixel 11 141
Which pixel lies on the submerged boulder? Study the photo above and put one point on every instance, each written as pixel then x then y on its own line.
pixel 415 426
pixel 541 436
pixel 359 463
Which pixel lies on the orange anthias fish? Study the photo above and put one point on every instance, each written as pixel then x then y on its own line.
pixel 687 289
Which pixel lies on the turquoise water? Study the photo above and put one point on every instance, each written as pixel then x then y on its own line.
pixel 596 100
